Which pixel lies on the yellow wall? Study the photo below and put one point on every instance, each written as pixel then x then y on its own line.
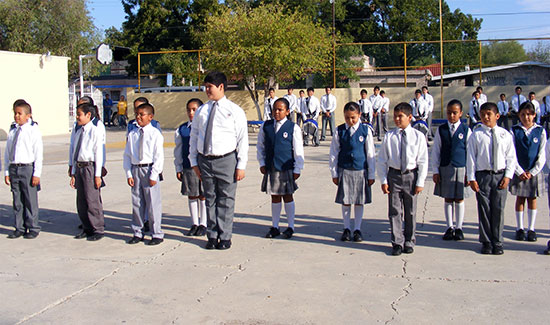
pixel 43 84
pixel 170 107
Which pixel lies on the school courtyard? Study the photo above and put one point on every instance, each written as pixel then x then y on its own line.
pixel 313 278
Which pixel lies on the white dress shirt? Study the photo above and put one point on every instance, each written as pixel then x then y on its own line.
pixel 297 145
pixel 369 148
pixel 503 107
pixel 28 149
pixel 436 147
pixel 302 107
pixel 293 101
pixel 482 99
pixel 420 108
pixel 268 107
pixel 328 103
pixel 229 132
pixel 479 155
pixel 376 101
pixel 541 158
pixel 386 104
pixel 390 154
pixel 536 104
pixel 515 103
pixel 430 101
pixel 543 109
pixel 153 151
pixel 178 149
pixel 366 107
pixel 91 148
pixel 313 108
pixel 102 134
pixel 475 109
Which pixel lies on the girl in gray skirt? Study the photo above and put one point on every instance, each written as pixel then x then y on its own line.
pixel 190 183
pixel 352 165
pixel 280 153
pixel 530 142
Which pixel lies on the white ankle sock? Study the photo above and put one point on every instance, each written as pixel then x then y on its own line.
pixel 358 213
pixel 449 214
pixel 194 210
pixel 202 212
pixel 519 220
pixel 290 211
pixel 459 214
pixel 532 216
pixel 276 213
pixel 346 211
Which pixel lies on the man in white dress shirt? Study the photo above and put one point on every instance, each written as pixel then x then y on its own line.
pixel 366 107
pixel 293 101
pixel 503 109
pixel 328 106
pixel 376 101
pixel 419 106
pixel 268 104
pixel 312 110
pixel 536 104
pixel 515 103
pixel 428 98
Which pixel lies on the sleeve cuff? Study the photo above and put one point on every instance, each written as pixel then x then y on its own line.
pixel 129 174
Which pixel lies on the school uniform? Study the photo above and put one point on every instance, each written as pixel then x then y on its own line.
pixel 530 147
pixel 376 101
pixel 22 160
pixel 384 113
pixel 403 165
pixel 87 158
pixel 328 105
pixel 301 110
pixel 491 156
pixel 536 105
pixel 428 98
pixel 218 146
pixel 503 109
pixel 515 103
pixel 474 112
pixel 311 114
pixel 268 107
pixel 366 110
pixel 133 125
pixel 420 109
pixel 293 105
pixel 144 161
pixel 545 118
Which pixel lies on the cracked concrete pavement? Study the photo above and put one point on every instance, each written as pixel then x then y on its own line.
pixel 311 279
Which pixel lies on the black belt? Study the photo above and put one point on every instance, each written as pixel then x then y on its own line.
pixel 22 165
pixel 492 172
pixel 408 171
pixel 81 164
pixel 210 157
pixel 143 165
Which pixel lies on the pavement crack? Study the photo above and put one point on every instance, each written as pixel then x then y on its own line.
pixel 237 269
pixel 406 291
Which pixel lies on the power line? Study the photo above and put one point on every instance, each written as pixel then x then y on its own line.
pixel 513 13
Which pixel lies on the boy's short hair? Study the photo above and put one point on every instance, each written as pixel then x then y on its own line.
pixel 424 87
pixel 86 108
pixel 328 87
pixel 302 91
pixel 376 88
pixel 194 100
pixel 22 103
pixel 454 102
pixel 528 106
pixel 489 106
pixel 311 89
pixel 418 91
pixel 475 92
pixel 502 95
pixel 382 92
pixel 143 100
pixel 216 78
pixel 518 87
pixel 290 88
pixel 284 101
pixel 271 89
pixel 352 107
pixel 479 88
pixel 404 108
pixel 148 108
pixel 532 93
pixel 364 91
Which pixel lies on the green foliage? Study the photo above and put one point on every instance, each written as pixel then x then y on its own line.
pixel 540 52
pixel 62 27
pixel 183 66
pixel 498 53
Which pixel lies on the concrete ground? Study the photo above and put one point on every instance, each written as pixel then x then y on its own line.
pixel 311 279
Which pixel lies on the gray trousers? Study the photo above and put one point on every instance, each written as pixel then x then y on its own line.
pixel 376 123
pixel 491 202
pixel 327 120
pixel 25 198
pixel 429 121
pixel 220 187
pixel 503 122
pixel 88 201
pixel 384 120
pixel 402 207
pixel 146 201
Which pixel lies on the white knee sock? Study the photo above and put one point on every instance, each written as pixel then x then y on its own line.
pixel 289 210
pixel 194 210
pixel 276 213
pixel 449 214
pixel 459 214
pixel 532 216
pixel 358 212
pixel 346 211
pixel 202 212
pixel 519 219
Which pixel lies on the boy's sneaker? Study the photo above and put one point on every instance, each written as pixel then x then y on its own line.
pixel 531 235
pixel 273 232
pixel 449 234
pixel 459 235
pixel 346 235
pixel 520 234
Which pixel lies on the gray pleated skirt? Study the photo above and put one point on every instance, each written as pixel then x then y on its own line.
pixel 190 183
pixel 452 184
pixel 279 183
pixel 533 187
pixel 353 187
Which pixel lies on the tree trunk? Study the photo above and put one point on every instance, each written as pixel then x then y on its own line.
pixel 250 86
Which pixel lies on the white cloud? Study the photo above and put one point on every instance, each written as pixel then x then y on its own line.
pixel 533 5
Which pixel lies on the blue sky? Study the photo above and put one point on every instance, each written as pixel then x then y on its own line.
pixel 107 13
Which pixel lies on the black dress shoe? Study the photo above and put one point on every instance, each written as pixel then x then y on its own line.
pixel 547 250
pixel 449 234
pixel 273 232
pixel 155 241
pixel 134 240
pixel 520 234
pixel 486 248
pixel 81 235
pixel 212 243
pixel 459 235
pixel 346 235
pixel 287 234
pixel 192 231
pixel 497 250
pixel 396 250
pixel 224 244
pixel 201 231
pixel 145 227
pixel 31 235
pixel 80 226
pixel 531 235
pixel 95 237
pixel 408 250
pixel 357 236
pixel 15 234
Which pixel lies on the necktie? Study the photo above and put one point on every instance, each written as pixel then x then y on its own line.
pixel 78 145
pixel 403 151
pixel 517 109
pixel 140 141
pixel 14 144
pixel 494 149
pixel 452 129
pixel 208 132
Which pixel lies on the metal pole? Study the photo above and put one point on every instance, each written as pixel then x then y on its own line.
pixel 480 76
pixel 80 57
pixel 139 72
pixel 441 52
pixel 333 44
pixel 199 70
pixel 405 62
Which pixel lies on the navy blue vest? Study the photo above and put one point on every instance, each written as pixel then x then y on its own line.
pixel 352 153
pixel 453 149
pixel 185 134
pixel 527 147
pixel 279 152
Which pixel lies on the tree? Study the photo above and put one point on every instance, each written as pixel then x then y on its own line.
pixel 263 45
pixel 540 52
pixel 499 53
pixel 61 27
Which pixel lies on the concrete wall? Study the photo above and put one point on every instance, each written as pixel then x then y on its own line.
pixel 42 83
pixel 170 107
